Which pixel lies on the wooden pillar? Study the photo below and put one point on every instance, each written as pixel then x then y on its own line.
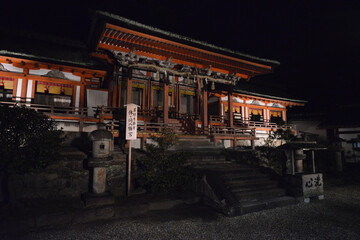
pixel 114 96
pixel 243 114
pixel 24 85
pixel 205 110
pixel 178 98
pixel 166 103
pixel 119 96
pixel 284 115
pixel 148 97
pixel 230 110
pixel 197 105
pixel 74 96
pixel 128 98
pixel 313 161
pixel 82 92
pixel 128 90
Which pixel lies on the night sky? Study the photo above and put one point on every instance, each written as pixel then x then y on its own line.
pixel 316 42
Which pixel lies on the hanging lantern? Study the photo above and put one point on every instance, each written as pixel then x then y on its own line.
pixel 157 76
pixel 213 86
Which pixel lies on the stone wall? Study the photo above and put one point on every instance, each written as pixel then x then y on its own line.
pixel 67 178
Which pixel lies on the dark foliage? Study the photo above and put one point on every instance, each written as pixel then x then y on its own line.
pixel 28 140
pixel 161 170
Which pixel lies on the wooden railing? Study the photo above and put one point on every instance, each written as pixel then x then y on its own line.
pixel 81 112
pixel 149 127
pixel 188 120
pixel 247 123
pixel 216 119
pixel 233 131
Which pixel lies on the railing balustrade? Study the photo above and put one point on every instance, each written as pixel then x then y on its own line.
pixel 189 120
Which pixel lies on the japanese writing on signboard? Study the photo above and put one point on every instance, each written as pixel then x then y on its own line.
pixel 131 121
pixel 312 185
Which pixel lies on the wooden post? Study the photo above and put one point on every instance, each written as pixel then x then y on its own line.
pixel 252 144
pixel 82 92
pixel 292 162
pixel 177 96
pixel 313 160
pixel 119 95
pixel 114 96
pixel 128 91
pixel 205 110
pixel 130 134
pixel 129 171
pixel 148 97
pixel 166 103
pixel 24 85
pixel 230 109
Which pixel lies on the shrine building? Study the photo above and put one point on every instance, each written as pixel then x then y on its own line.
pixel 178 83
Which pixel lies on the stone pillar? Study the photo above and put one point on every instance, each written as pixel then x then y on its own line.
pixel 338 161
pixel 99 180
pixel 299 157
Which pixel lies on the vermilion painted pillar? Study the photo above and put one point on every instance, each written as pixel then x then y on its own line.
pixel 230 104
pixel 128 90
pixel 82 92
pixel 166 103
pixel 24 85
pixel 205 110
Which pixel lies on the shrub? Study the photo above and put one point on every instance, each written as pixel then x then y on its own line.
pixel 161 170
pixel 28 140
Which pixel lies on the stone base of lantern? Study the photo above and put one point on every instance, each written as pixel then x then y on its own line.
pixel 95 199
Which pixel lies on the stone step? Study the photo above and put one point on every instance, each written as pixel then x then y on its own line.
pixel 258 195
pixel 248 207
pixel 250 182
pixel 230 168
pixel 206 158
pixel 249 175
pixel 250 188
pixel 206 165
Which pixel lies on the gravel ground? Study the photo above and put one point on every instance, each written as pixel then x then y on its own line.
pixel 336 217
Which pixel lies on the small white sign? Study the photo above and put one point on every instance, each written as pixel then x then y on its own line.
pixel 313 185
pixel 131 121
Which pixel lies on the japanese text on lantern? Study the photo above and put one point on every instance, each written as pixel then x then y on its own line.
pixel 131 122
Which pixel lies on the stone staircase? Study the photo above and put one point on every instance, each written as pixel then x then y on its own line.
pixel 196 144
pixel 237 189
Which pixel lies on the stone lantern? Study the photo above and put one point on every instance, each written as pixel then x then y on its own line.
pixel 305 183
pixel 101 159
pixel 101 140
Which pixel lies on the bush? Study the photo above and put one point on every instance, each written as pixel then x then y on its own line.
pixel 272 158
pixel 161 170
pixel 28 140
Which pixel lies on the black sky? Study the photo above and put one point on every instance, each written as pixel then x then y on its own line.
pixel 317 42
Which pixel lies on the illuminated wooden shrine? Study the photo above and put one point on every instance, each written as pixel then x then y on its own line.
pixel 177 82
